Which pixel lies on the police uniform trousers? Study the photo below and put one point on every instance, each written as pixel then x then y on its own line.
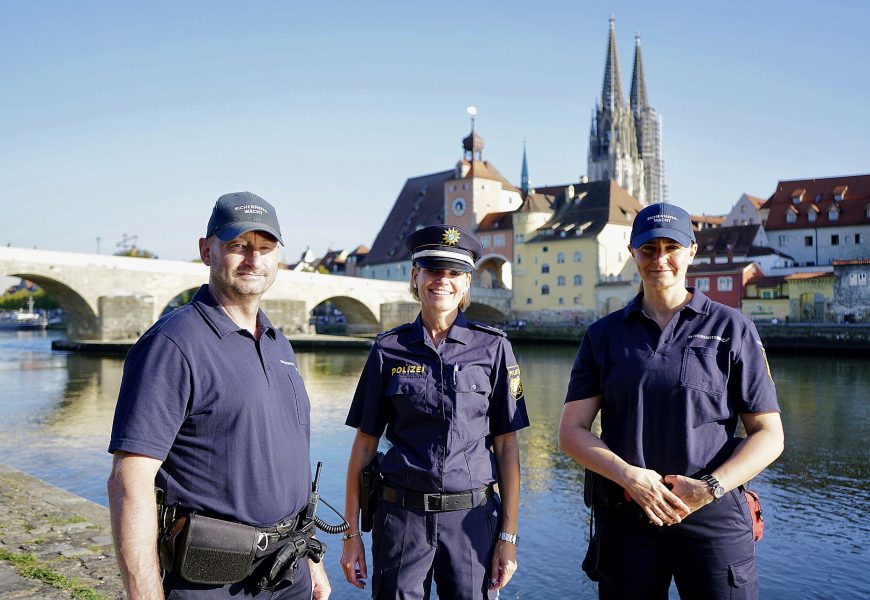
pixel 710 555
pixel 176 588
pixel 411 547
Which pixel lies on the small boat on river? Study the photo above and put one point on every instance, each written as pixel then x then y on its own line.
pixel 20 320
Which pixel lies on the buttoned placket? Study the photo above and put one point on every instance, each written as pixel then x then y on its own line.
pixel 440 388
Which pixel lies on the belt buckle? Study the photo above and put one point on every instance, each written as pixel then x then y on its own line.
pixel 432 502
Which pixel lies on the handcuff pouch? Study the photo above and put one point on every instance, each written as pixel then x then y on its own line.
pixel 214 552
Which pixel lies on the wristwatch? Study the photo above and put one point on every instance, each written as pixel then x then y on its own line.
pixel 510 537
pixel 715 487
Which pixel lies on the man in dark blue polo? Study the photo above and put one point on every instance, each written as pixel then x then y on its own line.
pixel 213 412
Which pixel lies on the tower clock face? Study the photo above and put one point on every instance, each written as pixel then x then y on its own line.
pixel 458 207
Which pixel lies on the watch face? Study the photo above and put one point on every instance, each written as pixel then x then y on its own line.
pixel 458 207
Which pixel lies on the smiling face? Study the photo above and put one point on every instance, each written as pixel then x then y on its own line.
pixel 662 263
pixel 243 267
pixel 440 291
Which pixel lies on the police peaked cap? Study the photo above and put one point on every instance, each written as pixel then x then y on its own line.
pixel 444 247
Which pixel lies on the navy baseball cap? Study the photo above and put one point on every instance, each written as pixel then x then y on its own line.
pixel 240 212
pixel 444 247
pixel 662 220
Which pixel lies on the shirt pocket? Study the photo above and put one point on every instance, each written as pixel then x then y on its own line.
pixel 408 396
pixel 473 391
pixel 701 370
pixel 300 397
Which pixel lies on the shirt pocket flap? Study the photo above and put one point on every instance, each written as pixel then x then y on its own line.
pixel 474 379
pixel 701 370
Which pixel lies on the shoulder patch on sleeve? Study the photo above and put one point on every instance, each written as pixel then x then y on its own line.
pixel 515 382
pixel 394 330
pixel 487 328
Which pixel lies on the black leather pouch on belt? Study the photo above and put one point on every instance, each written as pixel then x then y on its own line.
pixel 213 551
pixel 370 484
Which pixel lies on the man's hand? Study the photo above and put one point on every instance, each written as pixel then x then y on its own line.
pixel 648 489
pixel 319 582
pixel 693 492
pixel 504 564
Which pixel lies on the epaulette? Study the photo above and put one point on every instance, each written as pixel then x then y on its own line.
pixel 487 328
pixel 394 330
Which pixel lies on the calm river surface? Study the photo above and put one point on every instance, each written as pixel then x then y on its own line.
pixel 56 414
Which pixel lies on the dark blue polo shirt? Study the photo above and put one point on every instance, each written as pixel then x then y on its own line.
pixel 671 399
pixel 440 407
pixel 227 415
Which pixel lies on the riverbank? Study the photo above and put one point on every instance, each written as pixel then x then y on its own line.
pixel 53 544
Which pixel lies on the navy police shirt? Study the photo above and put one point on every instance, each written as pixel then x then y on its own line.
pixel 671 399
pixel 440 406
pixel 227 415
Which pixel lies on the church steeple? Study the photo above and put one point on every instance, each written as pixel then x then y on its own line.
pixel 611 91
pixel 524 173
pixel 638 84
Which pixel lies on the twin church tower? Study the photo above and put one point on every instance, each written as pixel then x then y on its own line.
pixel 625 141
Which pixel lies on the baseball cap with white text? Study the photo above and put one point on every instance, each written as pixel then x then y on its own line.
pixel 240 212
pixel 662 220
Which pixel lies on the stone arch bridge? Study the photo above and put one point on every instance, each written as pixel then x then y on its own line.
pixel 115 297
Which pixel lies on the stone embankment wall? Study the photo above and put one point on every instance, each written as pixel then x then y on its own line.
pixel 53 544
pixel 815 336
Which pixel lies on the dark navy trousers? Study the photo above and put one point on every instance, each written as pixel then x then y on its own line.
pixel 411 548
pixel 178 589
pixel 710 555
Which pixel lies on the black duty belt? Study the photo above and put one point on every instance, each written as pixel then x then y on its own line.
pixel 437 502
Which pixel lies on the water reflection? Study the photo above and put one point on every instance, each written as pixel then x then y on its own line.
pixel 56 413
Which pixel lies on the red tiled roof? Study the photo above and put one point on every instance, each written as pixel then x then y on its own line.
pixel 756 201
pixel 767 282
pixel 856 190
pixel 716 241
pixel 735 267
pixel 498 221
pixel 815 275
pixel 854 261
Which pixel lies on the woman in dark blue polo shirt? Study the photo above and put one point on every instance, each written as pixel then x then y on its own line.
pixel 671 374
pixel 447 392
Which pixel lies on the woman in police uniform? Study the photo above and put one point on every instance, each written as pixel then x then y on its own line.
pixel 671 373
pixel 447 392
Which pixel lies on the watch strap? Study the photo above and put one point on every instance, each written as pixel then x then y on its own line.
pixel 509 537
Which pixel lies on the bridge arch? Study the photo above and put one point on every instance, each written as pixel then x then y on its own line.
pixel 82 321
pixel 360 318
pixel 493 271
pixel 477 311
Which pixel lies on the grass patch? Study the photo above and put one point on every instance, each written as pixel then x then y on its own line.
pixel 66 520
pixel 28 566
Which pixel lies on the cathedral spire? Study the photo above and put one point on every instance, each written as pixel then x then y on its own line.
pixel 524 173
pixel 611 92
pixel 638 84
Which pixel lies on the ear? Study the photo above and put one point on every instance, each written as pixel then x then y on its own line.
pixel 205 251
pixel 693 249
pixel 630 250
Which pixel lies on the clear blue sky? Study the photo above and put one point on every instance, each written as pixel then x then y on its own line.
pixel 121 117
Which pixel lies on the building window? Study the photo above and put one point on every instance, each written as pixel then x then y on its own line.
pixel 853 279
pixel 782 240
pixel 545 268
pixel 545 249
pixel 862 278
pixel 702 284
pixel 519 259
pixel 545 290
pixel 859 238
pixel 578 280
pixel 499 240
pixel 724 284
pixel 635 278
pixel 560 258
pixel 576 300
pixel 578 256
pixel 484 241
pixel 833 214
pixel 808 241
pixel 519 238
pixel 767 294
pixel 528 300
pixel 835 240
pixel 743 208
pixel 791 217
pixel 812 216
pixel 560 280
pixel 561 301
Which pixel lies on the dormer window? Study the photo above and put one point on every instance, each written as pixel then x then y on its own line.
pixel 791 217
pixel 840 193
pixel 811 216
pixel 797 196
pixel 834 213
pixel 818 198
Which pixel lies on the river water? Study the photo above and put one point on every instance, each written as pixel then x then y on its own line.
pixel 56 413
